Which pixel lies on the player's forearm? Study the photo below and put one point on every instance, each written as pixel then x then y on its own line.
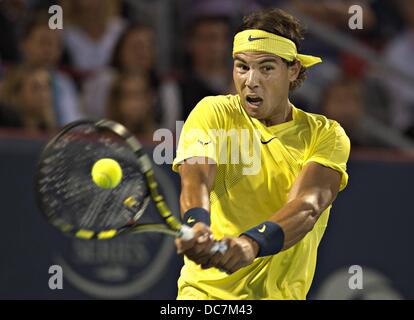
pixel 297 218
pixel 194 193
pixel 313 191
pixel 196 183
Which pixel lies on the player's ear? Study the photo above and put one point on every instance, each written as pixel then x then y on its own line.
pixel 293 71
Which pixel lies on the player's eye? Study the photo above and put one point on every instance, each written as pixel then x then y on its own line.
pixel 268 68
pixel 242 67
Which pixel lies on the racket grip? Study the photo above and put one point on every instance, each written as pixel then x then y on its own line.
pixel 219 246
pixel 186 233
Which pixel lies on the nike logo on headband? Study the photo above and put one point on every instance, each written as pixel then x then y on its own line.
pixel 250 38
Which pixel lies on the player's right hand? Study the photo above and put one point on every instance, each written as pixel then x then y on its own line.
pixel 197 249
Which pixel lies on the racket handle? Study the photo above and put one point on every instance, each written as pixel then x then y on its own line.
pixel 186 233
pixel 219 246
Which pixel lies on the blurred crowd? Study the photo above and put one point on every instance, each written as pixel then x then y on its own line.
pixel 146 63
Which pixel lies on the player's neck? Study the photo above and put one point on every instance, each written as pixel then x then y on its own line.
pixel 283 114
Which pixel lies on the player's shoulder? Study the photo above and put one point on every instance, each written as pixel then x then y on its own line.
pixel 318 123
pixel 220 110
pixel 225 104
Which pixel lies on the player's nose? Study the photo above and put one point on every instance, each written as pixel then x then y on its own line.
pixel 252 80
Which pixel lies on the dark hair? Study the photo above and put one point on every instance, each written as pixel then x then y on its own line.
pixel 193 24
pixel 116 54
pixel 278 22
pixel 37 19
pixel 113 111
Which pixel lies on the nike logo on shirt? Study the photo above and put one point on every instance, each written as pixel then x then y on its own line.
pixel 203 143
pixel 266 142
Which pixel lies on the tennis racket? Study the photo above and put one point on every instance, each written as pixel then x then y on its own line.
pixel 74 204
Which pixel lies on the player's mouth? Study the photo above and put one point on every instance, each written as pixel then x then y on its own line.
pixel 254 100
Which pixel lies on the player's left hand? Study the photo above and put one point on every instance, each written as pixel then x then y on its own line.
pixel 197 249
pixel 240 253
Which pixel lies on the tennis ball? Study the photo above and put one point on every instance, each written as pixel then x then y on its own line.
pixel 106 173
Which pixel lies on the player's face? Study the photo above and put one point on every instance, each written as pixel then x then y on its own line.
pixel 137 51
pixel 43 47
pixel 36 94
pixel 262 81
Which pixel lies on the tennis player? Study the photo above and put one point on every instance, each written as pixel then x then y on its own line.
pixel 272 219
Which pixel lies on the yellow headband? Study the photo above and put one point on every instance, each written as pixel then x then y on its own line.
pixel 259 40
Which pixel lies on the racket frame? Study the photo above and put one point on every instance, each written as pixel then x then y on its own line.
pixel 171 227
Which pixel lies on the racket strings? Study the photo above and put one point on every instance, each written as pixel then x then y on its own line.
pixel 66 187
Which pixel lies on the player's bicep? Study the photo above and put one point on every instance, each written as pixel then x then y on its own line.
pixel 317 185
pixel 198 169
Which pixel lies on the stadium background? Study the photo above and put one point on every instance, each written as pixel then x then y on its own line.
pixel 146 63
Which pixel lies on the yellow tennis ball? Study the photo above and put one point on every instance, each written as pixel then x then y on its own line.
pixel 106 173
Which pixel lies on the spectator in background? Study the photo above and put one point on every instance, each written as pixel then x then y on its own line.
pixel 333 15
pixel 8 117
pixel 208 69
pixel 1 72
pixel 387 24
pixel 188 10
pixel 344 102
pixel 131 103
pixel 134 52
pixel 42 47
pixel 26 94
pixel 91 32
pixel 12 16
pixel 334 12
pixel 399 53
